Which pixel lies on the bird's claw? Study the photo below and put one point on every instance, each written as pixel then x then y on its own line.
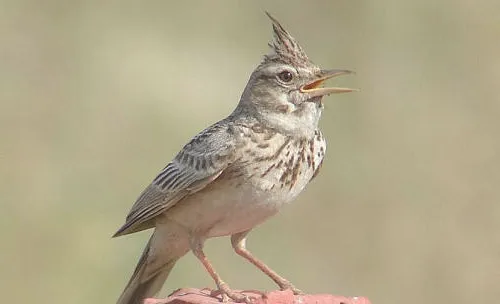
pixel 286 285
pixel 229 294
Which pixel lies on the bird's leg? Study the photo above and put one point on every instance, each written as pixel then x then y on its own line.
pixel 238 241
pixel 226 292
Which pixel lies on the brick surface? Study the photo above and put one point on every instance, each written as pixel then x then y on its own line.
pixel 207 296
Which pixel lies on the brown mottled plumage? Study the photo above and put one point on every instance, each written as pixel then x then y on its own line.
pixel 236 173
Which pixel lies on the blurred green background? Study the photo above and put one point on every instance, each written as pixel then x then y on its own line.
pixel 97 96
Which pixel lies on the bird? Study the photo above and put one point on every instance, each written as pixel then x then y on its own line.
pixel 237 173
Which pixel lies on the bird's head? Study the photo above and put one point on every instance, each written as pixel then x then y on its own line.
pixel 284 91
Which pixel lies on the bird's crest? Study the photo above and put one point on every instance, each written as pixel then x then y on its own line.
pixel 284 47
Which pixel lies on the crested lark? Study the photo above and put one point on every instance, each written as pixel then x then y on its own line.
pixel 236 173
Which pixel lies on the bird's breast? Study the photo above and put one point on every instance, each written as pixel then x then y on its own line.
pixel 278 166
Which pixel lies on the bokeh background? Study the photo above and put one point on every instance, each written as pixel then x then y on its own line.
pixel 96 97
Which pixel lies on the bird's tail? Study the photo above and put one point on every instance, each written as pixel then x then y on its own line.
pixel 150 273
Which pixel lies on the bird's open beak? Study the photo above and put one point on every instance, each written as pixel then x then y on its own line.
pixel 313 89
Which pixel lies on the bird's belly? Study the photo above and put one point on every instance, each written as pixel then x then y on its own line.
pixel 228 206
pixel 224 208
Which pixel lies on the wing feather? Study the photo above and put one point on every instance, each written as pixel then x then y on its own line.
pixel 198 164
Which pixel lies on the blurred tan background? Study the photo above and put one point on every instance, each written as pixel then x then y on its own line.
pixel 96 97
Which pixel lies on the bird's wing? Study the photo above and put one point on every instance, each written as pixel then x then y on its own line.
pixel 199 163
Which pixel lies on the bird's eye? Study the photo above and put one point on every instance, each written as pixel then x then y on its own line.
pixel 285 76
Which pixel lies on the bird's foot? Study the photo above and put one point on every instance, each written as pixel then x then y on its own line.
pixel 286 285
pixel 229 294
